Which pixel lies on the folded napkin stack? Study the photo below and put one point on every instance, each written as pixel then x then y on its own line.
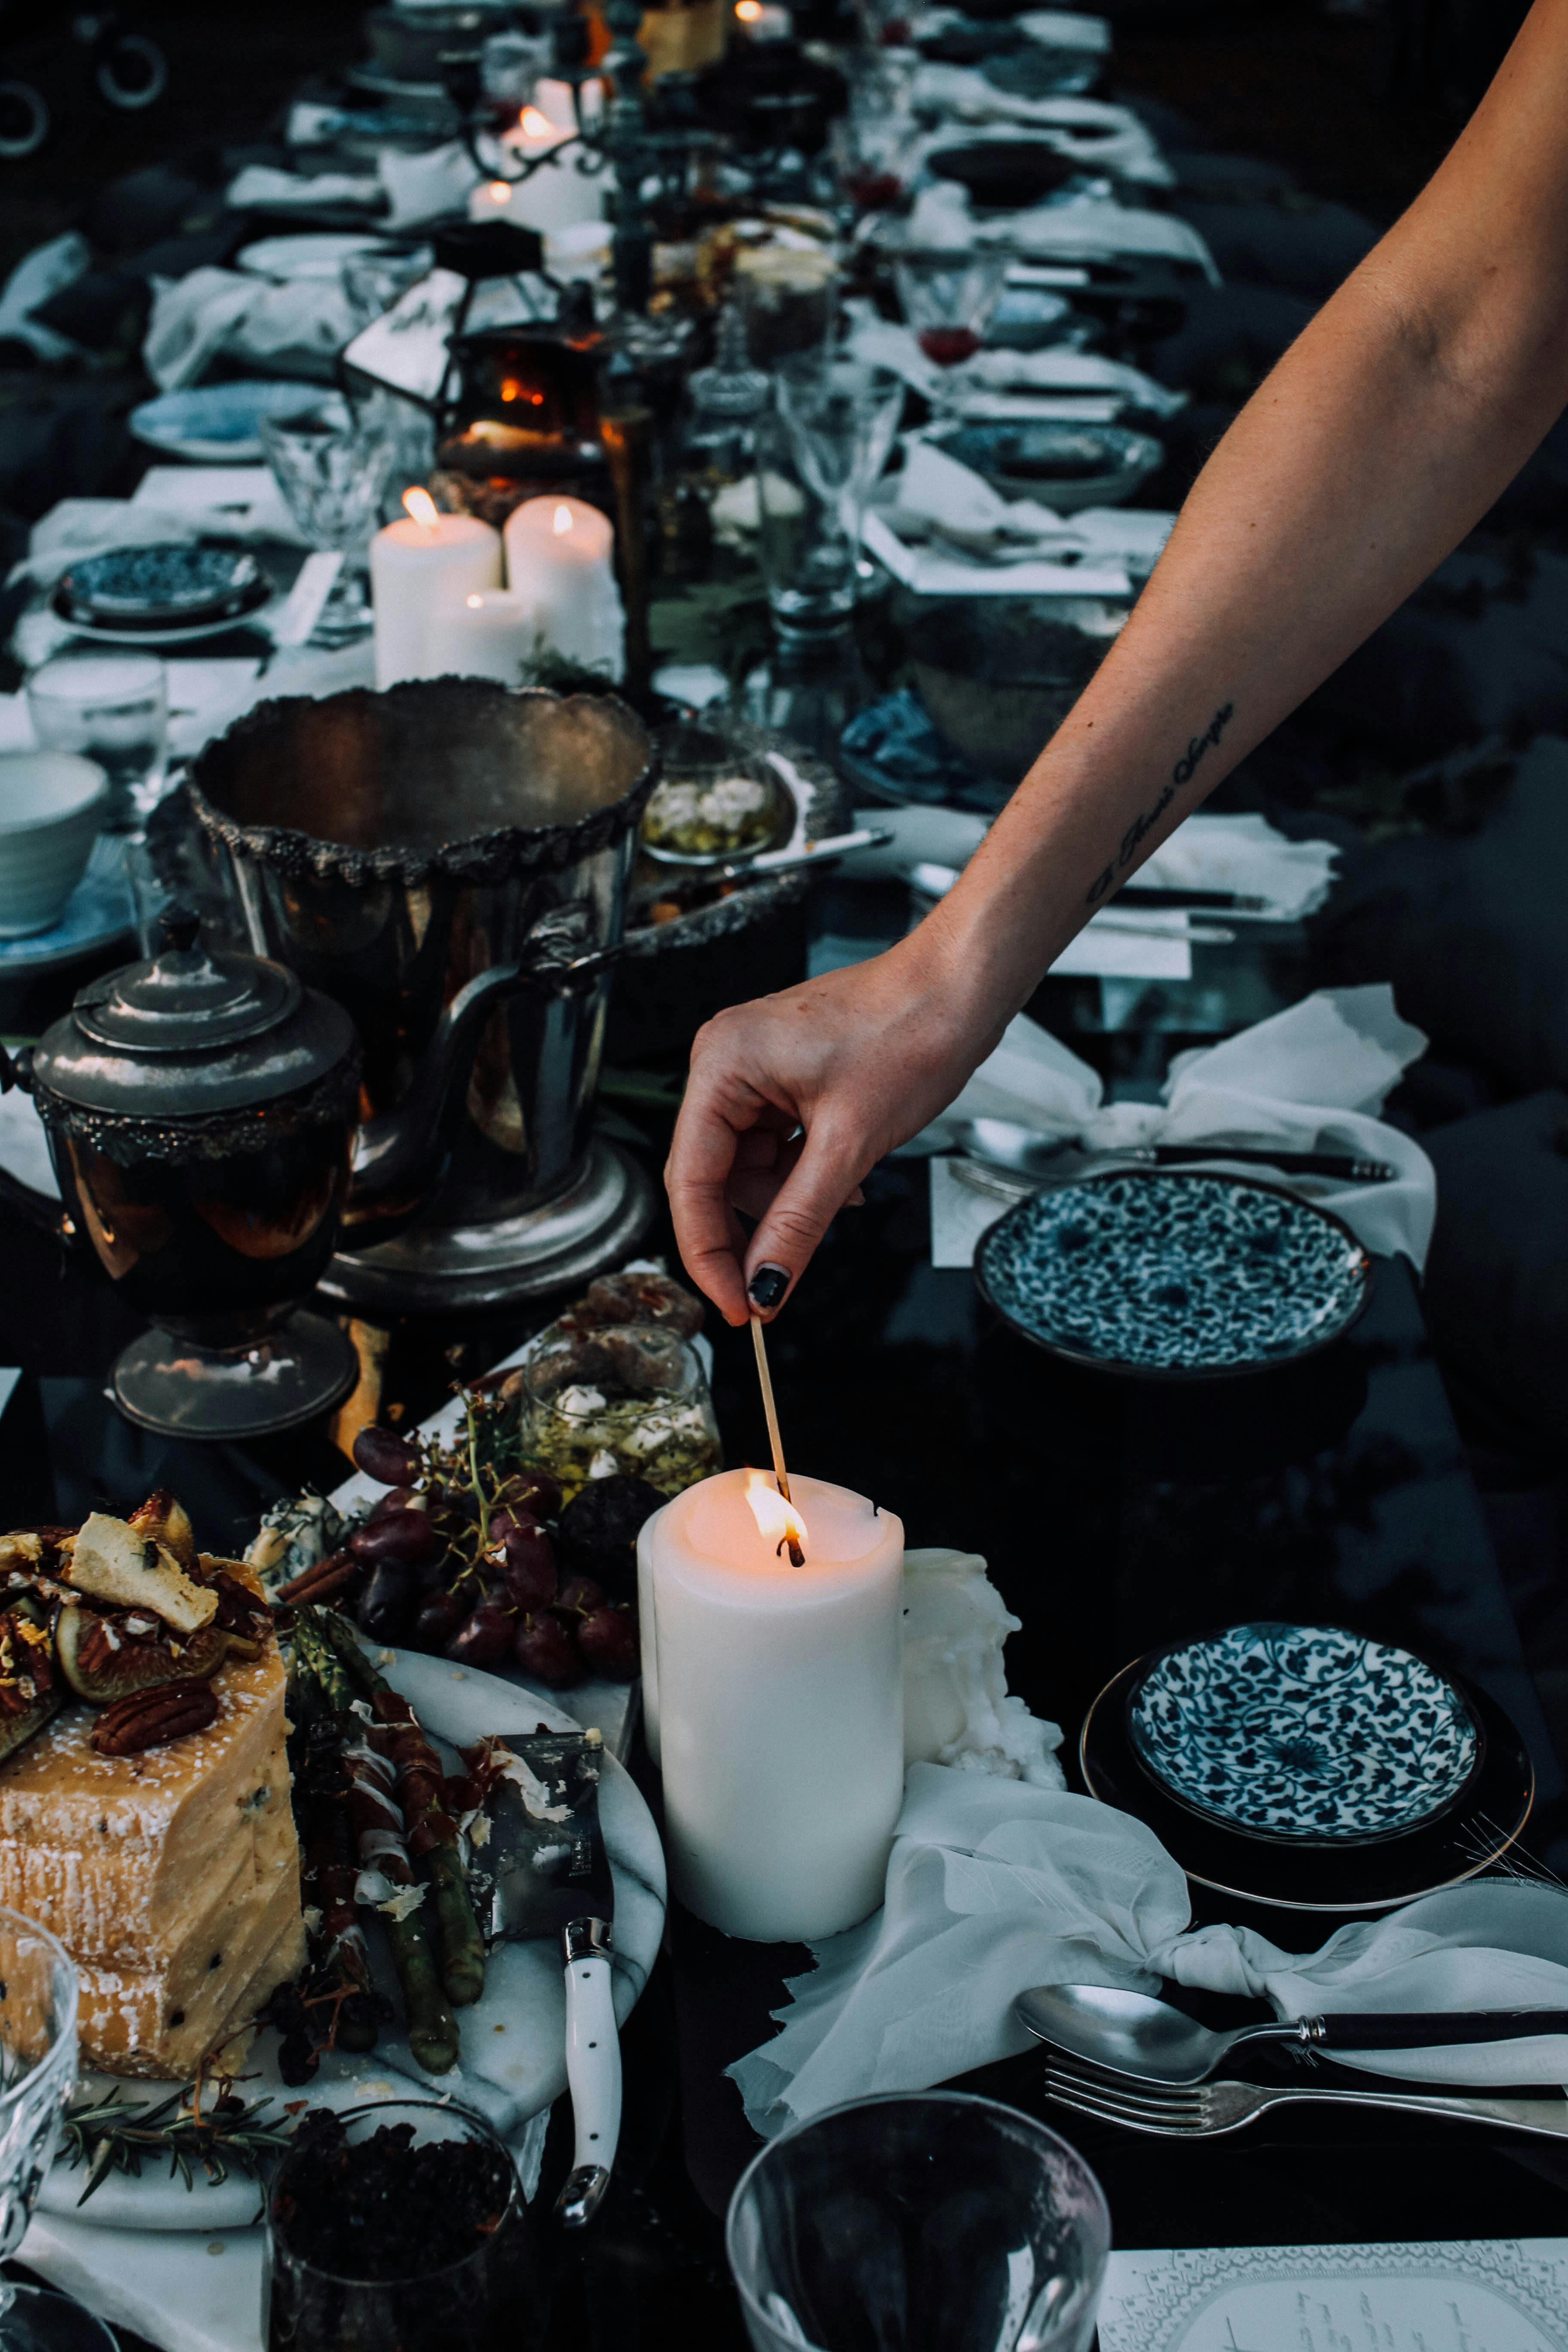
pixel 1309 1079
pixel 996 1886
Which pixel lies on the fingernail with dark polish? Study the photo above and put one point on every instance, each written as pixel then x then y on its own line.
pixel 767 1286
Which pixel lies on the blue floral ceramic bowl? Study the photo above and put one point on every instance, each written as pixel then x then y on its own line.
pixel 1303 1733
pixel 1173 1274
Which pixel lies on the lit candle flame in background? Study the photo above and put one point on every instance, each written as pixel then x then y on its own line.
pixel 562 521
pixel 422 507
pixel 748 11
pixel 534 125
pixel 475 604
pixel 779 1521
pixel 500 192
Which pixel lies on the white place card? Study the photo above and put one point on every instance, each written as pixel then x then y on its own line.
pixel 1480 2295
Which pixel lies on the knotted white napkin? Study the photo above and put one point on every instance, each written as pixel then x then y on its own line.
pixel 1070 229
pixel 1308 1079
pixel 934 494
pixel 297 326
pixel 994 1885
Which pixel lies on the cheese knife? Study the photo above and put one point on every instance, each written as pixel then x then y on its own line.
pixel 551 1877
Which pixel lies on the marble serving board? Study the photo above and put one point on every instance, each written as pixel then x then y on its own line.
pixel 513 2062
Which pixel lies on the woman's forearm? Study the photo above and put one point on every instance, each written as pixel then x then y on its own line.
pixel 1383 435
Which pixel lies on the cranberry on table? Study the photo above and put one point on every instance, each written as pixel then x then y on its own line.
pixel 528 1572
pixel 544 1649
pixel 385 1608
pixel 407 1535
pixel 581 1593
pixel 386 1458
pixel 483 1638
pixel 437 1618
pixel 608 1641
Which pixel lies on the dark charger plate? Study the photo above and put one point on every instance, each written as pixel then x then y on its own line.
pixel 1303 1877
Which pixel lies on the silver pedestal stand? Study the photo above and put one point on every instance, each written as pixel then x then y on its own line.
pixel 435 1269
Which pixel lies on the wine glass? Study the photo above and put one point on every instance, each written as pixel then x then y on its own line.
pixel 931 2222
pixel 843 417
pixel 333 468
pixel 948 294
pixel 37 2074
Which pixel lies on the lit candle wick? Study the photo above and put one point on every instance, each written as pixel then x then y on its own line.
pixel 422 508
pixel 776 1517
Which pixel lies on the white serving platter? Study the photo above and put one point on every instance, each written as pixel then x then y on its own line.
pixel 513 2062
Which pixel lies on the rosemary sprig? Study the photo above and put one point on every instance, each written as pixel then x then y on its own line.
pixel 108 2135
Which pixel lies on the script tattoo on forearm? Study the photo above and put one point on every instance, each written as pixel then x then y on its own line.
pixel 1182 773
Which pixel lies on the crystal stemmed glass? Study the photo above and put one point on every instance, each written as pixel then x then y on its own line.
pixel 948 296
pixel 332 467
pixel 842 416
pixel 931 2222
pixel 37 2074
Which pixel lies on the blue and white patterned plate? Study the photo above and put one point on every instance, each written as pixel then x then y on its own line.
pixel 1173 1276
pixel 1303 1732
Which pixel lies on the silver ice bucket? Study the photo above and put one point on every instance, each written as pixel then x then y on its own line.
pixel 449 860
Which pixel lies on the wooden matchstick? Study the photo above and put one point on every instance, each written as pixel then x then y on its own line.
pixel 781 1476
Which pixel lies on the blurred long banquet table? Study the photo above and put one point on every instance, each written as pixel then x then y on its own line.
pixel 1115 1517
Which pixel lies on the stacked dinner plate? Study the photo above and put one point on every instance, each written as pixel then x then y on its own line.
pixel 1307 1766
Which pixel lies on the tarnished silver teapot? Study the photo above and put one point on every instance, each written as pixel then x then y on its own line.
pixel 448 861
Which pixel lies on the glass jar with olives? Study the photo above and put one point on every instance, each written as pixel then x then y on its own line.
pixel 629 1400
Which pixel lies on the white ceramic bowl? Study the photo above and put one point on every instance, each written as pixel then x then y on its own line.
pixel 52 808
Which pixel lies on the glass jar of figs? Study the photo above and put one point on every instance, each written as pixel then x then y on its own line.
pixel 630 1399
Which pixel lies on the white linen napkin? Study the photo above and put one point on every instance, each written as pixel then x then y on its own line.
pixel 421 188
pixel 1070 229
pixel 936 496
pixel 1057 371
pixel 994 1885
pixel 1094 136
pixel 1248 856
pixel 264 186
pixel 1309 1079
pixel 305 320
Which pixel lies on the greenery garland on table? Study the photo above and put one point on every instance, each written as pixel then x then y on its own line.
pixel 109 2136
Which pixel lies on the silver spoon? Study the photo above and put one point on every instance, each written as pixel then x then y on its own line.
pixel 1129 2034
pixel 1002 1143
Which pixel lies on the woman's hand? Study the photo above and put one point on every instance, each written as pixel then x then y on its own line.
pixel 861 1060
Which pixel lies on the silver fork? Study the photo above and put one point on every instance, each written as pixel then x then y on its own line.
pixel 1202 2110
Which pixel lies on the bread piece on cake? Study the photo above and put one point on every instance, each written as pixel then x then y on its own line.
pixel 113 1563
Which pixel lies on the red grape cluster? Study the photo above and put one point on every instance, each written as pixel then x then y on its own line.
pixel 434 1581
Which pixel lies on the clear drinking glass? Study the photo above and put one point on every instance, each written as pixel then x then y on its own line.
pixel 373 282
pixel 630 1399
pixel 474 2304
pixel 928 2222
pixel 37 2074
pixel 113 707
pixel 948 296
pixel 843 417
pixel 807 553
pixel 333 468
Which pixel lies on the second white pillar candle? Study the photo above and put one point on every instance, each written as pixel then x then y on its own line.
pixel 774 1706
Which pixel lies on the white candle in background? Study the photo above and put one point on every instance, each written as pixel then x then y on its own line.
pixel 489 633
pixel 773 1700
pixel 560 564
pixel 425 559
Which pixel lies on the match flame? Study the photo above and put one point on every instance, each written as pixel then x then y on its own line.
pixel 562 520
pixel 534 125
pixel 423 508
pixel 779 1521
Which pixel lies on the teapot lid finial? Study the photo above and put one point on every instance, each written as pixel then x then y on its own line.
pixel 181 927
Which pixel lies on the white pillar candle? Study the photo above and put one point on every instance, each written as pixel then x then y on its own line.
pixel 425 559
pixel 560 564
pixel 774 1703
pixel 488 635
